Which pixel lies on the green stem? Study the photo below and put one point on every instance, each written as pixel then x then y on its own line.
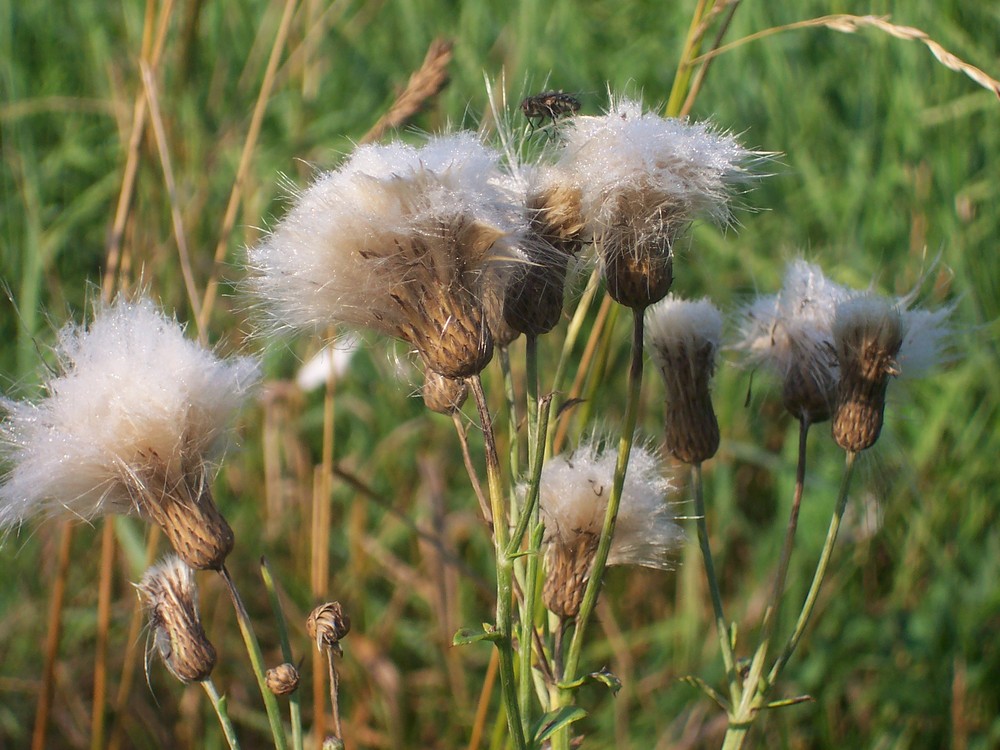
pixel 505 570
pixel 721 626
pixel 611 514
pixel 749 708
pixel 294 707
pixel 256 661
pixel 219 704
pixel 771 613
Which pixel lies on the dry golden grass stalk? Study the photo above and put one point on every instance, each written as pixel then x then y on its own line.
pixel 428 80
pixel 848 24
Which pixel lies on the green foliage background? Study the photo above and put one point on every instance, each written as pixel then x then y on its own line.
pixel 887 161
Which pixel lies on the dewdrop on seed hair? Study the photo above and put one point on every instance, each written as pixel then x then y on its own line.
pixel 643 179
pixel 401 240
pixel 170 596
pixel 128 425
pixel 683 337
pixel 573 497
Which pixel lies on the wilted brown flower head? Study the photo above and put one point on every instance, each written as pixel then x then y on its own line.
pixel 171 598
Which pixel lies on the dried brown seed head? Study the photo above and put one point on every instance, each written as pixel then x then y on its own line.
pixel 282 679
pixel 443 395
pixel 171 598
pixel 327 625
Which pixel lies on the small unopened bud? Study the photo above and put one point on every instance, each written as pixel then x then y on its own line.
pixel 868 334
pixel 443 395
pixel 282 679
pixel 683 339
pixel 171 597
pixel 327 625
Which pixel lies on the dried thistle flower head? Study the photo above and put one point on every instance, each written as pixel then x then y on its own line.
pixel 791 334
pixel 127 426
pixel 282 679
pixel 573 497
pixel 643 179
pixel 683 339
pixel 868 333
pixel 328 624
pixel 533 302
pixel 170 595
pixel 401 240
pixel 443 395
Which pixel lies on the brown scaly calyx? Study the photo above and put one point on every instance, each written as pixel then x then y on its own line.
pixel 170 596
pixel 809 394
pixel 691 430
pixel 637 249
pixel 533 301
pixel 181 504
pixel 868 337
pixel 442 308
pixel 567 568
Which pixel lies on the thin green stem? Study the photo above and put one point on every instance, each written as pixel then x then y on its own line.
pixel 294 707
pixel 256 660
pixel 819 575
pixel 740 724
pixel 721 624
pixel 219 704
pixel 505 570
pixel 611 514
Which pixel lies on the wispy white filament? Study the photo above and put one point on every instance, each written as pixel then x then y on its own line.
pixel 133 391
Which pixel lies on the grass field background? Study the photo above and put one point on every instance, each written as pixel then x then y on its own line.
pixel 888 161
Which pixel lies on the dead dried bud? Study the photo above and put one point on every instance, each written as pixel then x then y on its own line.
pixel 443 395
pixel 283 679
pixel 327 625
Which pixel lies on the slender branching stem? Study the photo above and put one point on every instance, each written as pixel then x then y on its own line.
pixel 740 724
pixel 463 441
pixel 505 570
pixel 256 660
pixel 611 515
pixel 294 707
pixel 721 624
pixel 219 704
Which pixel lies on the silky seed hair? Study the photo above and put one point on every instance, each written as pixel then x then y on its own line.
pixel 170 596
pixel 573 496
pixel 401 240
pixel 130 424
pixel 643 178
pixel 683 336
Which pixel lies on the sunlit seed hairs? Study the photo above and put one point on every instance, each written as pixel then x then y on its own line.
pixel 400 240
pixel 573 497
pixel 643 179
pixel 170 596
pixel 127 425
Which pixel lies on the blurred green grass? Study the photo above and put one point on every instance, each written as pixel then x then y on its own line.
pixel 888 160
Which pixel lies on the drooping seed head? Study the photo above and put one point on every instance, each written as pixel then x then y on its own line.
pixel 128 425
pixel 171 598
pixel 328 624
pixel 443 395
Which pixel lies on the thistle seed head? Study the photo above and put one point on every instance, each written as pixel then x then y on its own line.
pixel 868 333
pixel 282 679
pixel 683 339
pixel 328 625
pixel 171 598
pixel 443 395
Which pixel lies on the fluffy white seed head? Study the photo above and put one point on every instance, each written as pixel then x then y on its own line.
pixel 677 324
pixel 573 496
pixel 346 247
pixel 133 391
pixel 690 166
